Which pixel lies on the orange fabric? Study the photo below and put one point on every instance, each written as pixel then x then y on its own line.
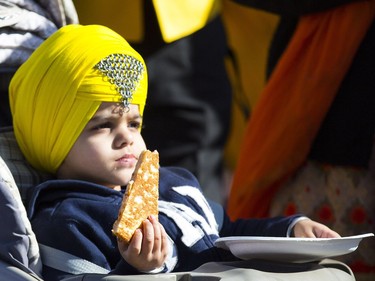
pixel 294 102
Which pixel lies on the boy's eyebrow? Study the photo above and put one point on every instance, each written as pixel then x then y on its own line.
pixel 101 117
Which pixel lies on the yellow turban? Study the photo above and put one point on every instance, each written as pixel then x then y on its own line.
pixel 60 87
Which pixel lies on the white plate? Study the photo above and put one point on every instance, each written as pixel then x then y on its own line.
pixel 289 249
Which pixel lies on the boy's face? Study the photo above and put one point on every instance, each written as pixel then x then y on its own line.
pixel 108 148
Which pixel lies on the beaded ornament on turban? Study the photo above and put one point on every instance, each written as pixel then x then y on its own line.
pixel 59 88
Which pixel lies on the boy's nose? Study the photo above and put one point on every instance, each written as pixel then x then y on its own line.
pixel 123 137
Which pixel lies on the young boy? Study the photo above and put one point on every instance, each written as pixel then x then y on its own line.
pixel 77 107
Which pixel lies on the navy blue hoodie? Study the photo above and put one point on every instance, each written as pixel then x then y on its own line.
pixel 77 217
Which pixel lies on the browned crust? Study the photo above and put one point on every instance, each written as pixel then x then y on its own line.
pixel 140 198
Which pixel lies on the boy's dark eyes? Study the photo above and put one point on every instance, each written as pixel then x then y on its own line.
pixel 135 124
pixel 109 125
pixel 102 126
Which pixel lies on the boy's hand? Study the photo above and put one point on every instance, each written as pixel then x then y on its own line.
pixel 148 248
pixel 312 229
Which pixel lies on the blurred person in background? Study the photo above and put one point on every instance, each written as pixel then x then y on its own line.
pixel 308 144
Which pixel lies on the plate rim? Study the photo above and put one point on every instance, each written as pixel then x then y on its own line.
pixel 289 239
pixel 233 241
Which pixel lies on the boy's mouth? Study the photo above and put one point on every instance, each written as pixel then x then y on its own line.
pixel 128 160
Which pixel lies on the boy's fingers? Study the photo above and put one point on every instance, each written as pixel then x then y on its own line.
pixel 164 240
pixel 148 237
pixel 326 233
pixel 157 234
pixel 135 245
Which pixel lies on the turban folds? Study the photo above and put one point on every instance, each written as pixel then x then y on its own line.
pixel 58 89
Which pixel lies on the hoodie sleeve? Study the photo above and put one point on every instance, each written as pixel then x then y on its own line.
pixel 273 227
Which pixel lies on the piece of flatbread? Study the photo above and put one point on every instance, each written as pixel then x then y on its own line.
pixel 140 198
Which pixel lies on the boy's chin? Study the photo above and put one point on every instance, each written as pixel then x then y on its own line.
pixel 121 177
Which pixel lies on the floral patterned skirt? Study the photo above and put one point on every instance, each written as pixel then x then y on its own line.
pixel 342 198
